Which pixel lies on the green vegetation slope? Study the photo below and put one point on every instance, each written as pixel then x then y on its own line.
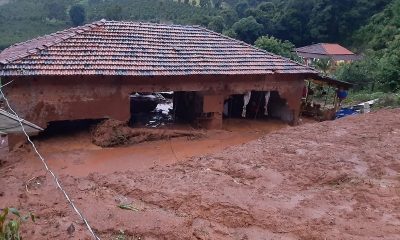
pixel 380 41
pixel 298 21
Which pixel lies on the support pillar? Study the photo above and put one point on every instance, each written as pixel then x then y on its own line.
pixel 213 105
pixel 293 98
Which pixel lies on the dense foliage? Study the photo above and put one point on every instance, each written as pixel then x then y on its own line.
pixel 273 45
pixel 298 21
pixel 304 22
pixel 380 40
pixel 77 15
pixel 21 20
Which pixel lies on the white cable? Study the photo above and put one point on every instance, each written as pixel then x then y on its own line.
pixel 50 171
pixel 6 84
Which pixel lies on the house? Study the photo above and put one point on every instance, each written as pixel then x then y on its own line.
pixel 89 72
pixel 331 51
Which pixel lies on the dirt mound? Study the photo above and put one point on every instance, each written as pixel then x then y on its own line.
pixel 112 133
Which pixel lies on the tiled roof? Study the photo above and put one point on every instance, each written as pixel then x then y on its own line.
pixel 140 49
pixel 348 57
pixel 325 49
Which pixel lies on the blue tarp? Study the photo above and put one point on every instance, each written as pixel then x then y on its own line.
pixel 343 112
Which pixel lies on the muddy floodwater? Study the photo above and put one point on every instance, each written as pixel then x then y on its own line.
pixel 75 154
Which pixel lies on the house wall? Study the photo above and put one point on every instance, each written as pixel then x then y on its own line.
pixel 52 98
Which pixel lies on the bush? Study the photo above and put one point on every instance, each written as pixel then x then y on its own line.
pixel 10 226
pixel 390 100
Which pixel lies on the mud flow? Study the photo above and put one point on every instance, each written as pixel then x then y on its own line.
pixel 254 179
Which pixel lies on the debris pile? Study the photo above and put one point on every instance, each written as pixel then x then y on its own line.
pixel 112 133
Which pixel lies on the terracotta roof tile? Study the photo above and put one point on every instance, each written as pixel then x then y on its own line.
pixel 336 49
pixel 129 48
pixel 325 49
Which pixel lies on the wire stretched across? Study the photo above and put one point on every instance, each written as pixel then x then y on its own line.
pixel 49 170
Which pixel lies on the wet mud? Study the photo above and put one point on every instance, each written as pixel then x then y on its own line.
pixel 330 180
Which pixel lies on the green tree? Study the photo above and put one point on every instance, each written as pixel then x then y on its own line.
pixel 324 65
pixel 247 29
pixel 264 14
pixel 276 46
pixel 361 73
pixel 218 4
pixel 241 8
pixel 291 24
pixel 230 33
pixel 77 15
pixel 229 16
pixel 205 3
pixel 389 67
pixel 216 24
pixel 268 7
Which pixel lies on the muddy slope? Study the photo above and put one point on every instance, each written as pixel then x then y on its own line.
pixel 331 180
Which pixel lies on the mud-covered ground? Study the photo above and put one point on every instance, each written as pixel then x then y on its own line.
pixel 330 180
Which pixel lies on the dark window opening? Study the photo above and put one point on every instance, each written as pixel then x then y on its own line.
pixel 151 109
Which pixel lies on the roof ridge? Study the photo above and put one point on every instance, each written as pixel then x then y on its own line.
pixel 63 35
pixel 256 48
pixel 323 45
pixel 150 23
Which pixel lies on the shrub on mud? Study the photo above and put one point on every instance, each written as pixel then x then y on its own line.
pixel 389 100
pixel 10 225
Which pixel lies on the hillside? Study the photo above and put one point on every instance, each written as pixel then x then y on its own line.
pixel 21 20
pixel 294 20
pixel 380 42
pixel 382 31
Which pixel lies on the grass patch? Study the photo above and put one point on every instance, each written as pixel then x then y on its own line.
pixel 122 235
pixel 128 207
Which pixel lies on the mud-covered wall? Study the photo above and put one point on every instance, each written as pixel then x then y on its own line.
pixel 42 100
pixel 51 98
